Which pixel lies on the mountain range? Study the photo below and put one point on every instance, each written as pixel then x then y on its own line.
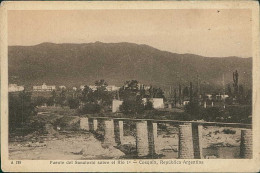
pixel 76 64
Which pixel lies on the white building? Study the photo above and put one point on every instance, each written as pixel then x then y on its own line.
pixel 142 86
pixel 93 87
pixel 44 87
pixel 15 88
pixel 81 87
pixel 116 104
pixel 62 87
pixel 112 88
pixel 186 102
pixel 157 102
pixel 221 96
pixel 108 88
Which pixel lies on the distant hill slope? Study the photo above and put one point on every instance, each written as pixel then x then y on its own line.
pixel 76 64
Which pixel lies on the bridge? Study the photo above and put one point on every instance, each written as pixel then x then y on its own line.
pixel 190 135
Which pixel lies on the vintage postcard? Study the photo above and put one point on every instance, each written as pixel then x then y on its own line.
pixel 130 86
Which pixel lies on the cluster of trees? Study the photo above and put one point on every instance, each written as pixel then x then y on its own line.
pixel 96 101
pixel 60 98
pixel 240 95
pixel 90 101
pixel 100 100
pixel 21 109
pixel 132 94
pixel 235 114
pixel 182 94
pixel 236 92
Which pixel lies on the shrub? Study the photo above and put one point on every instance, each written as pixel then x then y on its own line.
pixel 73 103
pixel 149 105
pixel 229 131
pixel 91 108
pixel 21 109
pixel 194 110
pixel 40 101
pixel 131 106
pixel 212 114
pixel 239 114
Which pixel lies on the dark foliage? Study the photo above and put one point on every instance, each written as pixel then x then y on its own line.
pixel 194 109
pixel 212 114
pixel 132 107
pixel 229 131
pixel 239 114
pixel 91 108
pixel 236 114
pixel 21 109
pixel 73 103
pixel 149 105
pixel 40 101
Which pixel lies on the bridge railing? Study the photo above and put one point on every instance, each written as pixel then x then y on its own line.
pixel 190 135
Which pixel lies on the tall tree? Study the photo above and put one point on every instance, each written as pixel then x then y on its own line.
pixel 186 92
pixel 86 95
pixel 235 83
pixel 101 95
pixel 249 97
pixel 191 92
pixel 229 91
pixel 53 99
pixel 242 99
pixel 175 97
pixel 62 98
pixel 241 90
pixel 180 94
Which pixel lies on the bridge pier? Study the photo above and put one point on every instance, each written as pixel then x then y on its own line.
pixel 119 131
pixel 84 123
pixel 100 124
pixel 197 140
pixel 152 138
pixel 246 146
pixel 91 124
pixel 95 124
pixel 142 144
pixel 109 136
pixel 146 138
pixel 186 150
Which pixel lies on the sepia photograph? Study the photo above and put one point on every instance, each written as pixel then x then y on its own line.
pixel 146 86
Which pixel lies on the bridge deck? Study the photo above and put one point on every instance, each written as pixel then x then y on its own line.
pixel 221 124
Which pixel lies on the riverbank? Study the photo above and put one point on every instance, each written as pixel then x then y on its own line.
pixel 62 139
pixel 66 146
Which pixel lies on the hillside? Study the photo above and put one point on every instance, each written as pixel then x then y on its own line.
pixel 76 64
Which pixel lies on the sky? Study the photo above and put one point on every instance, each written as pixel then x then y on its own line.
pixel 212 33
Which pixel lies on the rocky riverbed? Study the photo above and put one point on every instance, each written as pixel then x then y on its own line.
pixel 67 146
pixel 65 141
